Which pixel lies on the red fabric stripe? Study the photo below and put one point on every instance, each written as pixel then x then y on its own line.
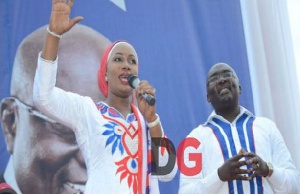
pixel 140 150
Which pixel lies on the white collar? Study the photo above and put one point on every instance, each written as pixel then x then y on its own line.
pixel 242 111
pixel 9 175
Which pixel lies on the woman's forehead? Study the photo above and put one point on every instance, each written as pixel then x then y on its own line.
pixel 122 48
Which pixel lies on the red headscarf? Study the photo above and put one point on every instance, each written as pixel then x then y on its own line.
pixel 6 188
pixel 102 83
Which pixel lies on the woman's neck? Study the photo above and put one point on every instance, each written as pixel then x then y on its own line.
pixel 120 104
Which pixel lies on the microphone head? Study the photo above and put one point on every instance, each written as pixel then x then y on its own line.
pixel 131 79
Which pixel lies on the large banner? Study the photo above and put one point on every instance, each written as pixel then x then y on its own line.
pixel 177 43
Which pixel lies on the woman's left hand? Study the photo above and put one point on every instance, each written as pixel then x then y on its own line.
pixel 148 111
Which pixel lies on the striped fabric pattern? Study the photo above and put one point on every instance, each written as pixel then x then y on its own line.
pixel 233 137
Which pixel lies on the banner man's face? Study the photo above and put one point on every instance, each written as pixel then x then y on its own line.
pixel 46 156
pixel 45 153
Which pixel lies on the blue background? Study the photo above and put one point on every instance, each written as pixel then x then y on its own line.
pixel 177 43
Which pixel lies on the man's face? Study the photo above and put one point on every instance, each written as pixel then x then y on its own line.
pixel 45 154
pixel 222 87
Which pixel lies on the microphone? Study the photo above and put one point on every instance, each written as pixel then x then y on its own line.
pixel 134 82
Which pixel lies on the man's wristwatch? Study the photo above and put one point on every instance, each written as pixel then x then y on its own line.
pixel 271 169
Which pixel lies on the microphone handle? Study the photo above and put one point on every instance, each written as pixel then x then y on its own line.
pixel 149 99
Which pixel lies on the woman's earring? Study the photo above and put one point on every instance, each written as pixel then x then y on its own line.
pixel 106 78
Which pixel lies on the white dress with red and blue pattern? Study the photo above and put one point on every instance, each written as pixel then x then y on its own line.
pixel 115 149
